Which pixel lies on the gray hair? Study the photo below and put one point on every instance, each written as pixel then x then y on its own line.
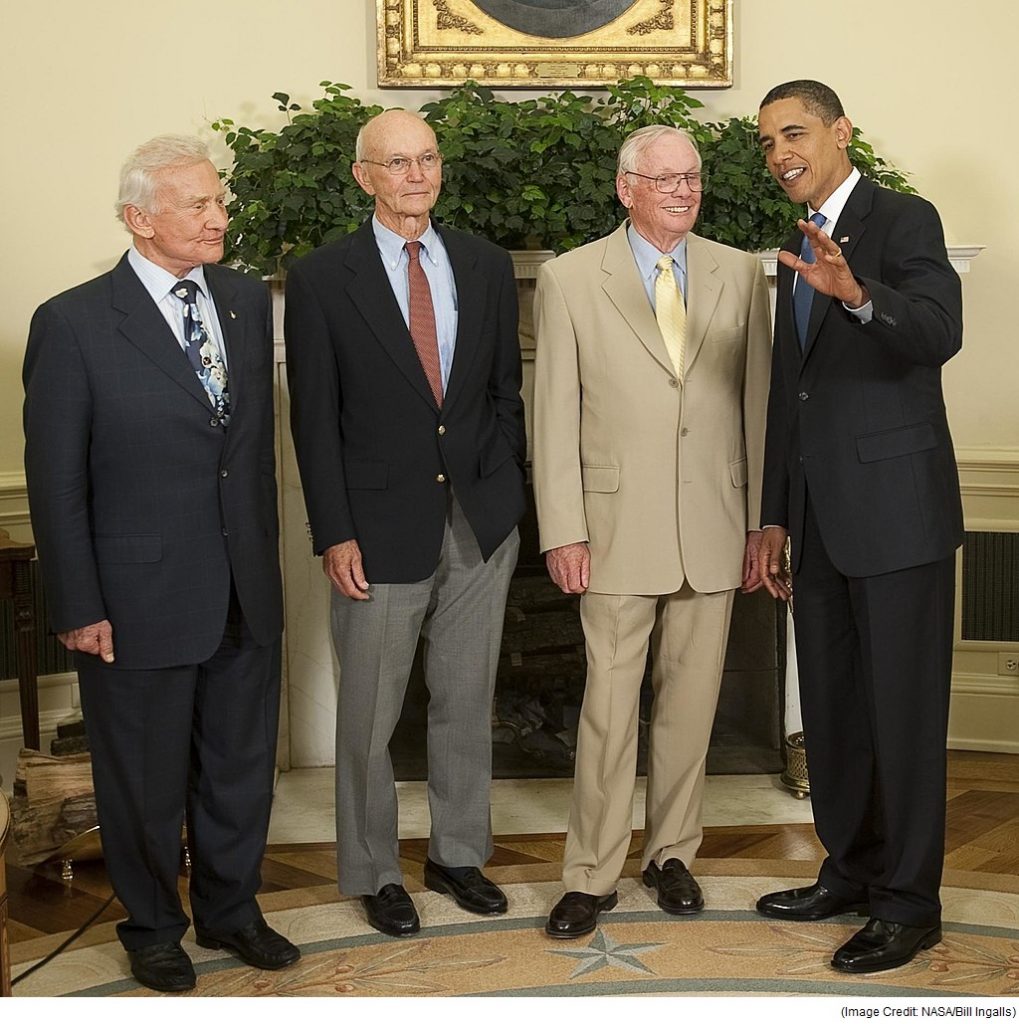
pixel 636 142
pixel 138 175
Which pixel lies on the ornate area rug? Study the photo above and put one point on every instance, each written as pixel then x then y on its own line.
pixel 636 950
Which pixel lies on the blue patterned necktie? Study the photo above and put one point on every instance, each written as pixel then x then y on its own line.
pixel 202 353
pixel 803 294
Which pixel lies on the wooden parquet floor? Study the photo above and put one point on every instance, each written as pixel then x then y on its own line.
pixel 982 835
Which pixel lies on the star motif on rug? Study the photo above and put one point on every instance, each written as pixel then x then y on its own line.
pixel 603 951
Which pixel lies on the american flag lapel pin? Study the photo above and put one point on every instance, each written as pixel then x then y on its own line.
pixel 842 241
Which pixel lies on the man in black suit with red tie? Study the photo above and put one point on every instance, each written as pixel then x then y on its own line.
pixel 860 473
pixel 151 478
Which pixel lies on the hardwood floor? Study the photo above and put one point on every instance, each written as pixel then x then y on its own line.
pixel 982 835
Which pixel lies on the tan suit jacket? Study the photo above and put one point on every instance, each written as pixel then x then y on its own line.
pixel 663 480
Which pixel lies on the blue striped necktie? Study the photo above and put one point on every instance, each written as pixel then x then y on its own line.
pixel 803 293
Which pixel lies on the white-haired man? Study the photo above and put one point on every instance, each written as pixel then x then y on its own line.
pixel 650 390
pixel 151 478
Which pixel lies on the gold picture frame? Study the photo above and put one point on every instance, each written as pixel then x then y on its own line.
pixel 443 43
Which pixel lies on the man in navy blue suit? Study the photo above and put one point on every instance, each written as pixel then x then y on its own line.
pixel 151 478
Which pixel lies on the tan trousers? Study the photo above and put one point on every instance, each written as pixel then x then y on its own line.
pixel 688 633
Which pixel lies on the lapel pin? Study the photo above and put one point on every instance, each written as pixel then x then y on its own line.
pixel 843 239
pixel 233 315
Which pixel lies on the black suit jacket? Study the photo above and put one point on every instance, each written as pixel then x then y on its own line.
pixel 143 505
pixel 858 417
pixel 373 447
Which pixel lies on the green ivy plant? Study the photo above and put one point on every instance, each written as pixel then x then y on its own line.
pixel 292 189
pixel 539 173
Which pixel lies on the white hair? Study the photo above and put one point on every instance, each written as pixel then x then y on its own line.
pixel 636 142
pixel 138 183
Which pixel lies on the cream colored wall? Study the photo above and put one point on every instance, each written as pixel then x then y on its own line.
pixel 928 80
pixel 83 83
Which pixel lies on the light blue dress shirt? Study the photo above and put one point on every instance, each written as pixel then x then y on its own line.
pixel 159 284
pixel 647 257
pixel 439 272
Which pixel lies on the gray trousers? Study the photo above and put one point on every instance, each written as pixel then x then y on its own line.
pixel 458 611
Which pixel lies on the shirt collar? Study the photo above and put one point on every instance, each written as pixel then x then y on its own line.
pixel 391 244
pixel 833 206
pixel 647 256
pixel 158 281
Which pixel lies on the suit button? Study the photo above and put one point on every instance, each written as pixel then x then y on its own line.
pixel 803 396
pixel 684 432
pixel 441 478
pixel 442 430
pixel 214 422
pixel 673 383
pixel 226 532
pixel 224 472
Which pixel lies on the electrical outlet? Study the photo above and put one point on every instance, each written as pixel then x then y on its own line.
pixel 1008 663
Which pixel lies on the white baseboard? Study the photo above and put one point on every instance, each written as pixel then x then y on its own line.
pixel 984 713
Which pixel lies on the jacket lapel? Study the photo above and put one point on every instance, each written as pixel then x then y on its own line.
pixel 372 294
pixel 234 322
pixel 144 327
pixel 470 291
pixel 703 290
pixel 850 224
pixel 626 291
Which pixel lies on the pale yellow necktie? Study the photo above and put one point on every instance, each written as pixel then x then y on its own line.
pixel 670 312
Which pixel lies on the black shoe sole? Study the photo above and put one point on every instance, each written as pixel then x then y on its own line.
pixel 609 905
pixel 860 909
pixel 207 942
pixel 437 885
pixel 926 943
pixel 396 933
pixel 184 986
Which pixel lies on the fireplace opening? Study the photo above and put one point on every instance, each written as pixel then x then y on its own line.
pixel 540 685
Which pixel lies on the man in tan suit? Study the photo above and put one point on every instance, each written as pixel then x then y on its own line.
pixel 651 384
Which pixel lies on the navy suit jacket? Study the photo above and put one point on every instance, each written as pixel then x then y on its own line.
pixel 374 449
pixel 143 505
pixel 858 417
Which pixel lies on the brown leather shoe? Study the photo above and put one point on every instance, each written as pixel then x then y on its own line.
pixel 678 891
pixel 577 913
pixel 881 945
pixel 811 903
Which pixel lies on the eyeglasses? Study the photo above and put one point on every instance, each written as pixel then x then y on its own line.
pixel 400 165
pixel 696 180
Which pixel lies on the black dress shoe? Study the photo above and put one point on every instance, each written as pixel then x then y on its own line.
pixel 256 944
pixel 577 913
pixel 468 886
pixel 678 891
pixel 812 903
pixel 882 945
pixel 391 910
pixel 165 968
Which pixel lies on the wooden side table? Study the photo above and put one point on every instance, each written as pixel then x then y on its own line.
pixel 16 586
pixel 5 950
